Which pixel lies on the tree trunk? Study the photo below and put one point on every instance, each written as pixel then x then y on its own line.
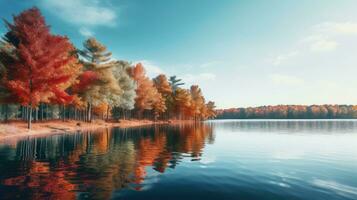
pixel 46 112
pixel 123 113
pixel 24 114
pixel 36 114
pixel 26 117
pixel 41 107
pixel 63 113
pixel 89 112
pixel 75 114
pixel 107 112
pixel 29 125
pixel 6 112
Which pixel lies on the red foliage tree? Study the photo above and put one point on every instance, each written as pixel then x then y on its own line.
pixel 42 61
pixel 85 80
pixel 80 88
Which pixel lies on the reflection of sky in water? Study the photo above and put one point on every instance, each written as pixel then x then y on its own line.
pixel 219 160
pixel 314 157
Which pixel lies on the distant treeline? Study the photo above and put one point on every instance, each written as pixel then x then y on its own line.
pixel 290 112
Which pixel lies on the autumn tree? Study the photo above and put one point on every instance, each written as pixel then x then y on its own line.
pixel 97 59
pixel 85 81
pixel 198 102
pixel 210 113
pixel 101 109
pixel 182 103
pixel 146 93
pixel 126 101
pixel 159 106
pixel 7 57
pixel 164 88
pixel 39 70
pixel 162 85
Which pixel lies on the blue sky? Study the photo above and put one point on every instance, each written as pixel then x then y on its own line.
pixel 242 53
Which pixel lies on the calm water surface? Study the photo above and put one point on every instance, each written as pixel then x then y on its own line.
pixel 214 160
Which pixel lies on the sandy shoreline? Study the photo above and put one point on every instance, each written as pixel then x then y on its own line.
pixel 18 129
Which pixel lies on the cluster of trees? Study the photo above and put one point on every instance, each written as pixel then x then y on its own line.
pixel 290 112
pixel 43 76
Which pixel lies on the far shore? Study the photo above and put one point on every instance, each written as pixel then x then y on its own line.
pixel 18 129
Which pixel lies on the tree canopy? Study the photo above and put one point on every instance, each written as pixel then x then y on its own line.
pixel 42 73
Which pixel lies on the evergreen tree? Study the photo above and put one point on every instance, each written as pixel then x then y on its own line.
pixel 175 83
pixel 97 60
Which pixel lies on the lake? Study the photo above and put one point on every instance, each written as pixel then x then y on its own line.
pixel 223 159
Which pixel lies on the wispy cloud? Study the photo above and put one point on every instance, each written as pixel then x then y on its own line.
pixel 198 78
pixel 81 12
pixel 324 45
pixel 344 28
pixel 85 13
pixel 283 79
pixel 320 43
pixel 278 60
pixel 86 32
pixel 320 38
pixel 152 69
pixel 210 64
pixel 325 36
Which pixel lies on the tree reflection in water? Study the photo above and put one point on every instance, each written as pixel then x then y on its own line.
pixel 94 164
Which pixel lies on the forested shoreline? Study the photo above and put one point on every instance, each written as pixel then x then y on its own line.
pixel 43 76
pixel 290 112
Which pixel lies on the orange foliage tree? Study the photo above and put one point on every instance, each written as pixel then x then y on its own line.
pixel 182 103
pixel 165 99
pixel 146 93
pixel 198 103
